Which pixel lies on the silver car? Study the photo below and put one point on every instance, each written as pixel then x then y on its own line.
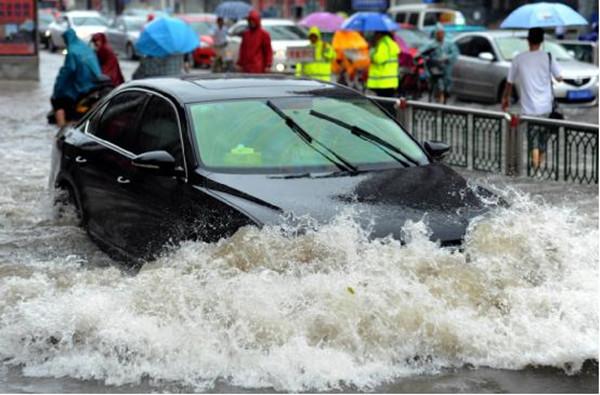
pixel 124 33
pixel 485 58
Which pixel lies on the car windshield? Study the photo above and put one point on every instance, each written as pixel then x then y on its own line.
pixel 286 32
pixel 135 24
pixel 257 139
pixel 203 28
pixel 447 17
pixel 89 21
pixel 512 46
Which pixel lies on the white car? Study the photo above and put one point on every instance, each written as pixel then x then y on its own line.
pixel 85 23
pixel 284 34
pixel 423 16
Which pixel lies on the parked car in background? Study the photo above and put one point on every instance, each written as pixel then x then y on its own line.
pixel 284 33
pixel 163 160
pixel 204 25
pixel 45 18
pixel 85 24
pixel 485 57
pixel 123 33
pixel 423 15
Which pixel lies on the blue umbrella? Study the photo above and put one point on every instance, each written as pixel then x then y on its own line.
pixel 542 15
pixel 167 36
pixel 369 21
pixel 233 10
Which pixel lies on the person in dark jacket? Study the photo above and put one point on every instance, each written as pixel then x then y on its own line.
pixel 79 74
pixel 256 54
pixel 108 59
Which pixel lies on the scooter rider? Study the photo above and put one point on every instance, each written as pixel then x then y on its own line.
pixel 79 75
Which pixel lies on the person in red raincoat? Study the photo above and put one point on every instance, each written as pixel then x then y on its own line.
pixel 107 59
pixel 256 54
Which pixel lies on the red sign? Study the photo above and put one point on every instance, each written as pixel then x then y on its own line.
pixel 17 27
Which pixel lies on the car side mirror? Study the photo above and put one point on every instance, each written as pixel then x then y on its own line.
pixel 155 162
pixel 436 149
pixel 487 56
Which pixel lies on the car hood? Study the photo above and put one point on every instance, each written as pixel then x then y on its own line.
pixel 382 201
pixel 573 69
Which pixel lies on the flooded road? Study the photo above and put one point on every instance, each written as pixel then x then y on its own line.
pixel 516 311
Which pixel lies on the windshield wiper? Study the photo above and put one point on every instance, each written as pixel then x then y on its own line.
pixel 367 136
pixel 341 163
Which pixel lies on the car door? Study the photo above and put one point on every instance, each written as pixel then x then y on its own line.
pixel 156 204
pixel 103 188
pixel 472 73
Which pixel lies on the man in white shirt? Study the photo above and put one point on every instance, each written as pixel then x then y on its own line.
pixel 533 72
pixel 219 45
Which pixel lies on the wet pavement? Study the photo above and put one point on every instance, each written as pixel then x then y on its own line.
pixel 515 312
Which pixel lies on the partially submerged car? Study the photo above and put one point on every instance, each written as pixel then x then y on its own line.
pixel 167 159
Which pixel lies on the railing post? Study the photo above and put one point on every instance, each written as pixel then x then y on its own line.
pixel 402 112
pixel 513 147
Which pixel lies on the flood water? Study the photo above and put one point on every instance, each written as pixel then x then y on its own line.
pixel 329 310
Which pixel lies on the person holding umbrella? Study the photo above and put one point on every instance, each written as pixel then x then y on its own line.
pixel 320 67
pixel 383 69
pixel 533 70
pixel 163 42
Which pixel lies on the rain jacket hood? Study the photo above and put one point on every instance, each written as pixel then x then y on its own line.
pixel 108 59
pixel 254 16
pixel 314 30
pixel 81 70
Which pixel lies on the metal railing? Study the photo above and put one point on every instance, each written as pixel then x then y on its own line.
pixel 494 141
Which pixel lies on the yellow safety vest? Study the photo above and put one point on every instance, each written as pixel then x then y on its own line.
pixel 383 70
pixel 320 68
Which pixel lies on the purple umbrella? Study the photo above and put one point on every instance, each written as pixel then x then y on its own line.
pixel 325 21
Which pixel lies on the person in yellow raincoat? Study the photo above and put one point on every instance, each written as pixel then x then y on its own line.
pixel 383 70
pixel 320 67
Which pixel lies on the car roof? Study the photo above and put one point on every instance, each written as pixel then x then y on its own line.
pixel 195 88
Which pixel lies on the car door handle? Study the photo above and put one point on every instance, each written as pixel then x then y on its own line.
pixel 123 180
pixel 80 159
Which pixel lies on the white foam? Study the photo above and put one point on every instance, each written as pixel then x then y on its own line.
pixel 318 310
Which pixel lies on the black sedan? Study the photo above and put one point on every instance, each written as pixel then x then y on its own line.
pixel 162 160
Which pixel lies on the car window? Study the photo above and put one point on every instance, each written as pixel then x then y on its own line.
pixel 134 24
pixel 464 46
pixel 400 17
pixel 480 45
pixel 159 130
pixel 286 32
pixel 118 122
pixel 512 46
pixel 258 140
pixel 431 18
pixel 89 21
pixel 204 28
pixel 413 19
pixel 238 30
